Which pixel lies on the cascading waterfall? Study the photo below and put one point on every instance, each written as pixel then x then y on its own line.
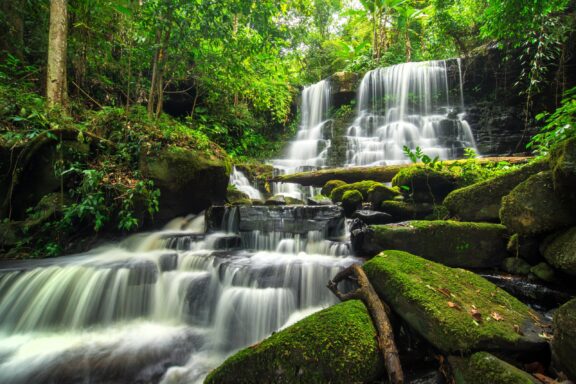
pixel 407 105
pixel 171 305
pixel 241 182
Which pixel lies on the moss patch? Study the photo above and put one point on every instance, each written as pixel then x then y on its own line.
pixel 560 251
pixel 362 186
pixel 564 342
pixel 351 201
pixel 330 186
pixel 336 345
pixel 402 211
pixel 421 291
pixel 563 165
pixel 425 184
pixel 484 368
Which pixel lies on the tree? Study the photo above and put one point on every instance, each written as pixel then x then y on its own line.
pixel 56 85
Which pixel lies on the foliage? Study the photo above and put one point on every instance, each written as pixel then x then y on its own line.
pixel 560 125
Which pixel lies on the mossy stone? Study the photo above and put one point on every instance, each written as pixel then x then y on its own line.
pixel 564 341
pixel 482 201
pixel 379 193
pixel 402 210
pixel 533 208
pixel 452 243
pixel 516 266
pixel 362 186
pixel 351 202
pixel 237 197
pixel 560 251
pixel 335 345
pixel 438 302
pixel 544 272
pixel 330 186
pixel 563 166
pixel 424 184
pixel 525 247
pixel 485 368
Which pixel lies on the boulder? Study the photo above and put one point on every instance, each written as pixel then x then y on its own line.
pixel 379 193
pixel 544 272
pixel 330 186
pixel 402 211
pixel 563 166
pixel 373 217
pixel 516 266
pixel 362 186
pixel 482 201
pixel 189 181
pixel 533 208
pixel 525 247
pixel 237 197
pixel 560 251
pixel 452 243
pixel 485 368
pixel 319 200
pixel 564 341
pixel 351 201
pixel 424 184
pixel 276 200
pixel 335 345
pixel 456 310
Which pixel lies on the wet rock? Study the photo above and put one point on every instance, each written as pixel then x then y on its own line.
pixel 564 341
pixel 485 368
pixel 525 247
pixel 560 251
pixel 363 187
pixel 351 201
pixel 544 272
pixel 379 193
pixel 402 211
pixel 454 309
pixel 168 262
pixel 563 165
pixel 214 217
pixel 237 197
pixel 452 243
pixel 319 200
pixel 533 208
pixel 373 217
pixel 276 200
pixel 424 184
pixel 330 186
pixel 482 201
pixel 336 345
pixel 516 266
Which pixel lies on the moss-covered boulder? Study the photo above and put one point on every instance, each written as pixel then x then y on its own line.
pixel 544 272
pixel 485 368
pixel 362 186
pixel 564 341
pixel 560 251
pixel 318 200
pixel 402 210
pixel 189 181
pixel 236 197
pixel 563 165
pixel 379 193
pixel 351 201
pixel 482 201
pixel 330 186
pixel 525 247
pixel 454 309
pixel 452 243
pixel 533 208
pixel 335 345
pixel 516 266
pixel 424 184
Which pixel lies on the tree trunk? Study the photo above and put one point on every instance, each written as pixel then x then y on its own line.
pixel 379 315
pixel 56 86
pixel 408 47
pixel 155 65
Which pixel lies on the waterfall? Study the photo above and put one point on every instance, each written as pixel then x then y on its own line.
pixel 407 105
pixel 242 183
pixel 168 306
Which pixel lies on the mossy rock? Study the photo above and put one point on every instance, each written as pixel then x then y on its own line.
pixel 424 184
pixel 402 210
pixel 544 272
pixel 452 243
pixel 335 345
pixel 362 186
pixel 189 181
pixel 560 251
pixel 525 247
pixel 351 201
pixel 485 368
pixel 438 302
pixel 516 266
pixel 330 186
pixel 563 166
pixel 379 193
pixel 564 341
pixel 533 208
pixel 318 200
pixel 482 201
pixel 237 197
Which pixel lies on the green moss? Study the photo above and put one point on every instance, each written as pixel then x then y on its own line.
pixel 402 210
pixel 237 197
pixel 351 201
pixel 484 368
pixel 560 251
pixel 564 341
pixel 544 272
pixel 424 184
pixel 378 193
pixel 336 345
pixel 420 290
pixel 330 186
pixel 563 166
pixel 362 186
pixel 516 266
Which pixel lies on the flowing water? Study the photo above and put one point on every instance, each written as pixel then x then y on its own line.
pixel 170 305
pixel 241 182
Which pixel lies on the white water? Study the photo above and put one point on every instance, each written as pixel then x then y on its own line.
pixel 241 182
pixel 407 105
pixel 164 307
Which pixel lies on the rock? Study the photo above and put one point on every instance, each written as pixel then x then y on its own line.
pixel 525 247
pixel 544 272
pixel 485 368
pixel 351 201
pixel 237 197
pixel 335 345
pixel 563 166
pixel 456 310
pixel 330 186
pixel 276 200
pixel 533 208
pixel 516 266
pixel 482 201
pixel 424 184
pixel 373 217
pixel 319 200
pixel 189 181
pixel 402 211
pixel 214 217
pixel 379 193
pixel 362 186
pixel 564 341
pixel 452 243
pixel 560 251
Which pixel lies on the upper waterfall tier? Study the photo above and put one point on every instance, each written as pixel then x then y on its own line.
pixel 408 105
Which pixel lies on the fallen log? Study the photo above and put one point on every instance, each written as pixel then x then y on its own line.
pixel 381 173
pixel 379 313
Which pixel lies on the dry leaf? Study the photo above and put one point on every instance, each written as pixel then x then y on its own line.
pixel 544 379
pixel 476 314
pixel 496 316
pixel 445 291
pixel 454 305
pixel 517 330
pixel 545 335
